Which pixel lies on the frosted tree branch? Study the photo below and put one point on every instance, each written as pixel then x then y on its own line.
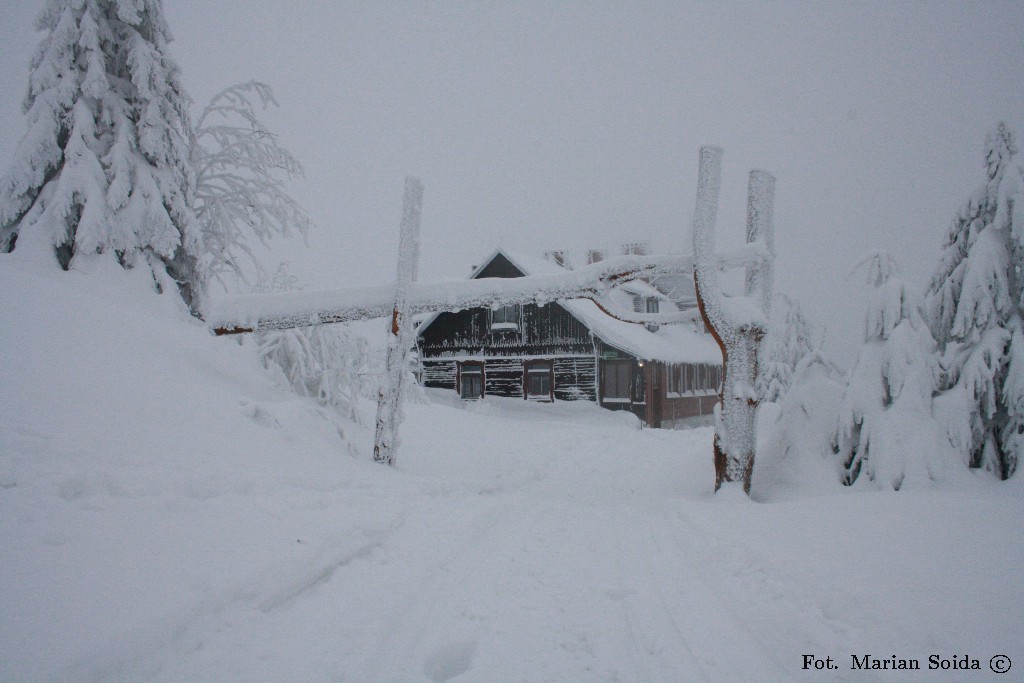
pixel 240 171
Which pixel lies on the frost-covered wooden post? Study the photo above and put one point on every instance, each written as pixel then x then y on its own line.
pixel 400 331
pixel 736 323
pixel 760 276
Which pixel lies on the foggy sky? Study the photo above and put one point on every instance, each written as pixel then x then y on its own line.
pixel 576 125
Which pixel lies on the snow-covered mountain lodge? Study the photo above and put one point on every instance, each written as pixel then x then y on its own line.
pixel 569 350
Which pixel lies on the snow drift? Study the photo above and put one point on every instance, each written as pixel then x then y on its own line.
pixel 170 510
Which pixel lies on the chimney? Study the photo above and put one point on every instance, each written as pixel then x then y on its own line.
pixel 558 257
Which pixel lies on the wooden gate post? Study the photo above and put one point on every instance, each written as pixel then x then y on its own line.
pixel 737 324
pixel 400 330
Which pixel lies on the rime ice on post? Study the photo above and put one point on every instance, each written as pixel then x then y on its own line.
pixel 760 280
pixel 737 323
pixel 400 331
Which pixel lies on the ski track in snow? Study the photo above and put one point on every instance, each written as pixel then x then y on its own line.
pixel 541 575
pixel 598 564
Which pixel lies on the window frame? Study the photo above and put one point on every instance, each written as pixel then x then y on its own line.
pixel 469 368
pixel 673 380
pixel 505 325
pixel 690 379
pixel 539 367
pixel 627 386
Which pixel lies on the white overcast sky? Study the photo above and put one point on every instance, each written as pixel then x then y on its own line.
pixel 576 124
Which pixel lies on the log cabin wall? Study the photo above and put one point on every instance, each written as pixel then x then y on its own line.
pixel 545 332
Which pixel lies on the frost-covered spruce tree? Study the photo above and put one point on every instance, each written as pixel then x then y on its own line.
pixel 104 166
pixel 887 432
pixel 789 340
pixel 240 172
pixel 974 304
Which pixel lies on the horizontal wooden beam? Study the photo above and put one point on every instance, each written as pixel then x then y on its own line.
pixel 283 310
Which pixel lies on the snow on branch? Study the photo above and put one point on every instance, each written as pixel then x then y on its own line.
pixel 240 172
pixel 297 309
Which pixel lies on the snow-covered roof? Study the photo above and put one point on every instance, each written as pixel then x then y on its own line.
pixel 678 287
pixel 669 344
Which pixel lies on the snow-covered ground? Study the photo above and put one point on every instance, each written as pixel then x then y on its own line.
pixel 169 512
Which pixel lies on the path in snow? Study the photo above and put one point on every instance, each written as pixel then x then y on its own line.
pixel 169 513
pixel 560 546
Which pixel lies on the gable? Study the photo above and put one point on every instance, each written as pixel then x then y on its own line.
pixel 498 266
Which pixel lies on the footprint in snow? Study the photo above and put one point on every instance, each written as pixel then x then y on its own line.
pixel 450 661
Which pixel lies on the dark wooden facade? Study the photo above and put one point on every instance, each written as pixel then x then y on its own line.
pixel 545 353
pixel 541 333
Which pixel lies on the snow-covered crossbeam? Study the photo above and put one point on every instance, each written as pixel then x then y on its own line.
pixel 299 309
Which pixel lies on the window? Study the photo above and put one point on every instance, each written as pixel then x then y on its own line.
pixel 504 318
pixel 616 380
pixel 538 380
pixel 652 307
pixel 699 378
pixel 675 373
pixel 471 380
pixel 639 386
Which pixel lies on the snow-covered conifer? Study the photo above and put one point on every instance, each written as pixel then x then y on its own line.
pixel 104 166
pixel 886 432
pixel 974 304
pixel 240 172
pixel 789 339
pixel 795 433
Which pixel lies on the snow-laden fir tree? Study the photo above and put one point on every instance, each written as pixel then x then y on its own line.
pixel 104 166
pixel 789 339
pixel 795 432
pixel 887 433
pixel 974 304
pixel 240 172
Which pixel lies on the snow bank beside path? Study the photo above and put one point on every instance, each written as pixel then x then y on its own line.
pixel 169 513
